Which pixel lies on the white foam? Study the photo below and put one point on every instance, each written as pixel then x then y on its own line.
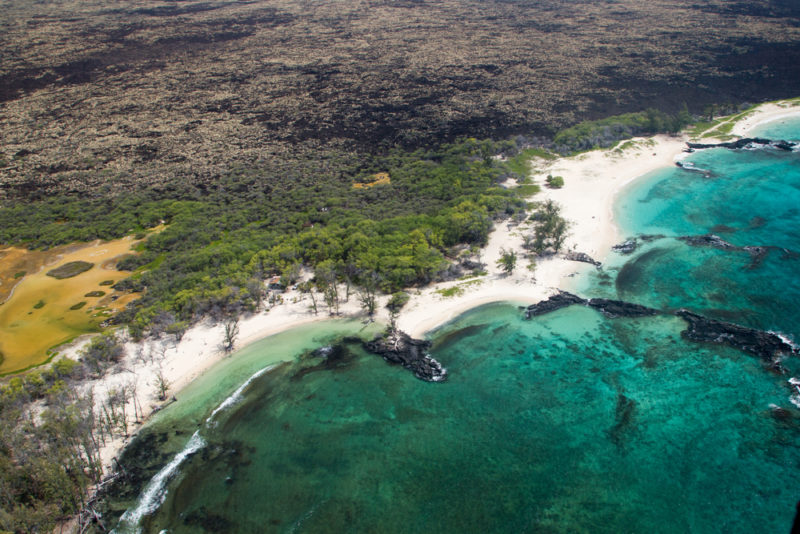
pixel 786 339
pixel 155 491
pixel 236 396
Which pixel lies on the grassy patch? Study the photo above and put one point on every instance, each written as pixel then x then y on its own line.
pixel 458 290
pixel 78 306
pixel 68 270
pixel 625 146
pixel 19 274
pixel 39 305
pixel 701 127
pixel 448 292
pixel 521 163
pixel 107 283
pixel 95 294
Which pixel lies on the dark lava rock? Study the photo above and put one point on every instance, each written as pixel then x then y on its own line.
pixel 556 302
pixel 763 344
pixel 747 142
pixel 707 240
pixel 581 257
pixel 620 308
pixel 626 247
pixel 472 265
pixel 398 347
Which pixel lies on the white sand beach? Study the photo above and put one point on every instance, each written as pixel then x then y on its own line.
pixel 592 180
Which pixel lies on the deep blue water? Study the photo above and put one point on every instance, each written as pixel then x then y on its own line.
pixel 568 423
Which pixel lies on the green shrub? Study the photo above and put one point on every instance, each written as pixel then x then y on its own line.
pixel 554 182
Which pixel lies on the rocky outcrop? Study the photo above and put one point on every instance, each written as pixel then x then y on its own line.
pixel 610 308
pixel 626 247
pixel 581 257
pixel 766 345
pixel 747 142
pixel 757 253
pixel 707 240
pixel 689 166
pixel 620 308
pixel 556 302
pixel 398 347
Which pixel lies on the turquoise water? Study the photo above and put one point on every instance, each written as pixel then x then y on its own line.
pixel 786 128
pixel 568 423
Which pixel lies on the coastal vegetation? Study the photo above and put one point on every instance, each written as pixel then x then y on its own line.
pixel 289 141
pixel 554 182
pixel 550 229
pixel 50 436
pixel 606 132
pixel 218 246
pixel 507 260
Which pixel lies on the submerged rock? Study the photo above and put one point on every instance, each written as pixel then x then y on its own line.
pixel 581 257
pixel 651 237
pixel 623 419
pixel 766 345
pixel 398 347
pixel 620 308
pixel 757 255
pixel 556 302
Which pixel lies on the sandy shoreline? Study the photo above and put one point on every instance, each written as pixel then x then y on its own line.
pixel 592 181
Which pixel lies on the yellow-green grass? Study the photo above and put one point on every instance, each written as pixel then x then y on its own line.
pixel 42 312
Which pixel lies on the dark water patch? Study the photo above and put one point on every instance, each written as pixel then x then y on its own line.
pixel 208 521
pixel 333 358
pixel 722 229
pixel 632 276
pixel 624 414
pixel 445 341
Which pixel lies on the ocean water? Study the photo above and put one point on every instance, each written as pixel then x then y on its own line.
pixel 571 422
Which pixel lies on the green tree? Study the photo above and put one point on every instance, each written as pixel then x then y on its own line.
pixel 507 261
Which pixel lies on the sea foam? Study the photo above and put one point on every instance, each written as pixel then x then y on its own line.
pixel 155 491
